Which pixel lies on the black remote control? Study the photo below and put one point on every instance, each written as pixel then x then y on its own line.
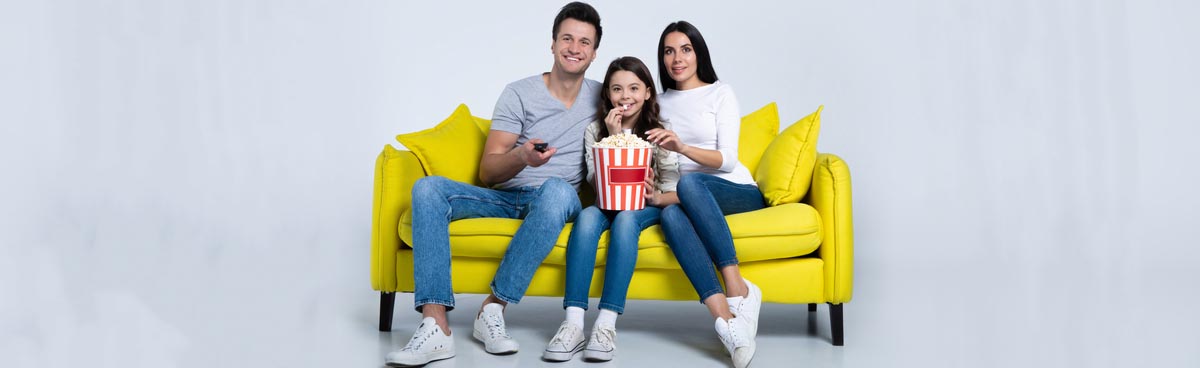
pixel 540 147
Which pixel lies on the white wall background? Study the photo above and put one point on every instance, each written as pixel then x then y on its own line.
pixel 186 164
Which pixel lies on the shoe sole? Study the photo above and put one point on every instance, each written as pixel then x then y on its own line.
pixel 561 356
pixel 442 356
pixel 479 338
pixel 597 355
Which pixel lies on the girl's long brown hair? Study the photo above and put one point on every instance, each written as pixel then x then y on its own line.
pixel 648 118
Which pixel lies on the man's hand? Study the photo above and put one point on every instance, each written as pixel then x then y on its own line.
pixel 530 155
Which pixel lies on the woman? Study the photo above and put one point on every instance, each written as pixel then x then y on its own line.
pixel 704 113
pixel 627 102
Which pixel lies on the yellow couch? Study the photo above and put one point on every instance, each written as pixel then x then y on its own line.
pixel 798 252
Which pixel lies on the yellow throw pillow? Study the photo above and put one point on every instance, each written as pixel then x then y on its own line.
pixel 785 171
pixel 451 149
pixel 758 129
pixel 484 125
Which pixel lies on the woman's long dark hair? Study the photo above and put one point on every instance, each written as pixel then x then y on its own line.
pixel 704 67
pixel 648 118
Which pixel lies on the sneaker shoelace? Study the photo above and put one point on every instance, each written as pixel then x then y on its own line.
pixel 604 337
pixel 564 334
pixel 495 326
pixel 419 339
pixel 736 339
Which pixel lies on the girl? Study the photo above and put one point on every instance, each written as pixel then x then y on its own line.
pixel 704 114
pixel 627 101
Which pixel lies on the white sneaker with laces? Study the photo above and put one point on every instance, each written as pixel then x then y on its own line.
pixel 428 344
pixel 489 329
pixel 749 307
pixel 735 334
pixel 566 342
pixel 603 344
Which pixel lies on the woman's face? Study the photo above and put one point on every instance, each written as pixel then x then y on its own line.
pixel 626 89
pixel 680 59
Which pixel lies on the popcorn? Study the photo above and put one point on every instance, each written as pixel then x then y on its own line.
pixel 623 140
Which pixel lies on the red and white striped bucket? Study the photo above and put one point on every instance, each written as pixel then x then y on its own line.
pixel 621 177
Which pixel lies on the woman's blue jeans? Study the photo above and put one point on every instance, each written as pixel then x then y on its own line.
pixel 627 226
pixel 696 229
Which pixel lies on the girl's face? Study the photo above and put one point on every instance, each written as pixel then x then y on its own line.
pixel 625 89
pixel 680 59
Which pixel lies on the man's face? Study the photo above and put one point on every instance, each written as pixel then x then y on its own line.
pixel 574 47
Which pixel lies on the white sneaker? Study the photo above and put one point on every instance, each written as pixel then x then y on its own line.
pixel 749 307
pixel 735 334
pixel 489 329
pixel 428 344
pixel 603 344
pixel 566 342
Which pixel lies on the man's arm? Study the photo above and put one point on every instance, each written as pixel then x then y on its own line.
pixel 501 161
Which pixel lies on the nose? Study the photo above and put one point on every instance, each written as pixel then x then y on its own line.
pixel 573 48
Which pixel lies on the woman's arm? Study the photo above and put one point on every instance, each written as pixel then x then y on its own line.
pixel 728 123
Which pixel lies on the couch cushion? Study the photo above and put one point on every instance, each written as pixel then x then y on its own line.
pixel 784 231
pixel 757 131
pixel 785 171
pixel 451 149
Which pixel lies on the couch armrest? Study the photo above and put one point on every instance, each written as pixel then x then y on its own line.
pixel 395 173
pixel 830 195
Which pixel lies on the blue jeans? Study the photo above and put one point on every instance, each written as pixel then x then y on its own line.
pixel 696 229
pixel 622 254
pixel 437 201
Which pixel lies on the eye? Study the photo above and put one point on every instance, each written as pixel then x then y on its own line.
pixel 687 49
pixel 633 89
pixel 668 52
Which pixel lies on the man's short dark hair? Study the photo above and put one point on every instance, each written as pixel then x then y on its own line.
pixel 581 12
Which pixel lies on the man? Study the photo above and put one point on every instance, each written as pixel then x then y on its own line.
pixel 535 184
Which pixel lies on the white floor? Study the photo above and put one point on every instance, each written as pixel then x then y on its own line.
pixel 236 307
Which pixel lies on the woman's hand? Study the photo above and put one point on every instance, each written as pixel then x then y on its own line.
pixel 666 139
pixel 613 121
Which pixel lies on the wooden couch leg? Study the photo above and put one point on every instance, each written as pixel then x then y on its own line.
pixel 835 324
pixel 387 301
pixel 812 307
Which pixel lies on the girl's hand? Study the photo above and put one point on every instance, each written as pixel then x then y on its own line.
pixel 665 139
pixel 650 191
pixel 613 121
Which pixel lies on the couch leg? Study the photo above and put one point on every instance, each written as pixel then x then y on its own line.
pixel 812 307
pixel 386 302
pixel 835 324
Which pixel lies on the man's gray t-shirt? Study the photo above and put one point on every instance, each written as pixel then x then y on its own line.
pixel 527 109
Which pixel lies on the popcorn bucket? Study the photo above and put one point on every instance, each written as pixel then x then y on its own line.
pixel 621 177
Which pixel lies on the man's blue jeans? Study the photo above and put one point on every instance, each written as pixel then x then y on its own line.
pixel 696 229
pixel 622 254
pixel 437 201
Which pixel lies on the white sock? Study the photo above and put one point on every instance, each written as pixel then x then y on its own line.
pixel 606 317
pixel 575 316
